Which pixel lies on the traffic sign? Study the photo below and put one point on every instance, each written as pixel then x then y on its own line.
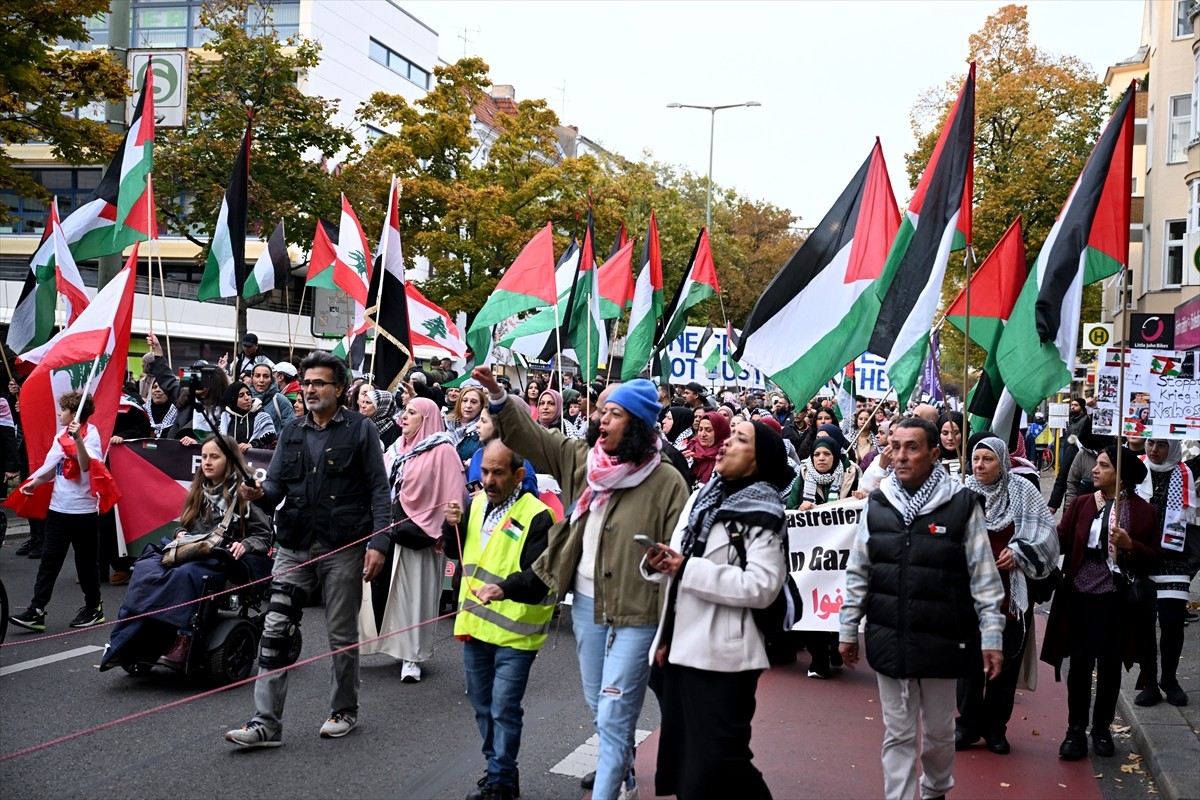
pixel 170 85
pixel 1096 335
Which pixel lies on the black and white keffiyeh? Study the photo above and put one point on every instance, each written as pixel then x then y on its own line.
pixel 497 514
pixel 423 446
pixel 832 480
pixel 915 502
pixel 1034 541
pixel 753 503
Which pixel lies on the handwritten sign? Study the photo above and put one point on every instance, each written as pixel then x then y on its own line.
pixel 819 542
pixel 1157 396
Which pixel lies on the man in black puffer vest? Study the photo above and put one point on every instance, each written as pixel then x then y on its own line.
pixel 922 572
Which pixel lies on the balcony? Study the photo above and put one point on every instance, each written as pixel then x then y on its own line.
pixel 1137 210
pixel 1141 104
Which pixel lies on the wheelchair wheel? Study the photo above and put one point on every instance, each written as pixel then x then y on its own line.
pixel 232 659
pixel 297 645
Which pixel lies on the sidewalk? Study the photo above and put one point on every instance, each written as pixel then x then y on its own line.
pixel 1169 736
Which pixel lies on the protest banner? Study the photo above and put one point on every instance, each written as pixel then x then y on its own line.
pixel 1159 397
pixel 686 364
pixel 819 542
pixel 156 474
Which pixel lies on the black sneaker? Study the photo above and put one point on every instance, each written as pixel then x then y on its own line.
pixel 25 547
pixel 35 552
pixel 588 781
pixel 30 619
pixel 1102 743
pixel 87 617
pixel 1176 696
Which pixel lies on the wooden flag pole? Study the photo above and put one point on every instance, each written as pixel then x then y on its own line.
pixel 611 347
pixel 1121 400
pixel 969 263
pixel 7 366
pixel 299 313
pixel 162 283
pixel 724 318
pixel 150 251
pixel 562 423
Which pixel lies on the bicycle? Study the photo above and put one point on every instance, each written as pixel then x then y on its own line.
pixel 1046 458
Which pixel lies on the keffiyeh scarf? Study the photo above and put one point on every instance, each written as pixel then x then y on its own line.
pixel 915 502
pixel 605 474
pixel 756 503
pixel 812 479
pixel 423 446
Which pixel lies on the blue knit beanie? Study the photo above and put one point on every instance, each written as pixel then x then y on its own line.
pixel 640 398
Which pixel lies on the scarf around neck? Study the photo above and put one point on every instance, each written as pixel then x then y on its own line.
pixel 605 474
pixel 831 479
pixel 913 503
pixel 751 501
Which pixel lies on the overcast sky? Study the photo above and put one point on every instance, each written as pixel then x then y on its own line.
pixel 830 76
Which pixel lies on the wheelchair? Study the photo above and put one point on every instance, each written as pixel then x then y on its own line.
pixel 224 630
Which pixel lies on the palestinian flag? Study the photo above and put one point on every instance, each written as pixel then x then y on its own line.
pixel 817 314
pixel 322 255
pixel 1163 365
pixel 88 356
pixel 52 272
pixel 647 306
pixel 528 283
pixel 431 324
pixel 1089 242
pixel 615 279
pixel 582 329
pixel 910 288
pixel 994 290
pixel 708 349
pixel 225 269
pixel 272 267
pixel 699 284
pixel 844 407
pixel 535 335
pixel 393 342
pixel 137 160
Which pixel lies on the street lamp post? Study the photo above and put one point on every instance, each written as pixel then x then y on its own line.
pixel 712 128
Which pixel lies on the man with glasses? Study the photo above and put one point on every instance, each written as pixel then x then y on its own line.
pixel 328 471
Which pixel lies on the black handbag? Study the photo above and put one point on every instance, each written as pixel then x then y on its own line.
pixel 408 533
pixel 1141 592
pixel 1041 590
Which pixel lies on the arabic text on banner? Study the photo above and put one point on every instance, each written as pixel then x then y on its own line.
pixel 819 542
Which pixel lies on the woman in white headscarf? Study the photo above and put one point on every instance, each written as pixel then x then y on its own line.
pixel 1025 545
pixel 1170 488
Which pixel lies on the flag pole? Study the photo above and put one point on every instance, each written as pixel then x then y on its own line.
pixel 1120 396
pixel 724 318
pixel 150 252
pixel 7 366
pixel 969 263
pixel 559 358
pixel 612 346
pixel 287 303
pixel 162 284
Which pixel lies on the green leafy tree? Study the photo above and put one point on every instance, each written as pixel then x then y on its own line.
pixel 1038 115
pixel 42 87
pixel 235 71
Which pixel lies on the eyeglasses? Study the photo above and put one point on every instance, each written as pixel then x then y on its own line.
pixel 315 383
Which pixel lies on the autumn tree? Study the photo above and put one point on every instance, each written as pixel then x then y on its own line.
pixel 42 87
pixel 237 71
pixel 1038 115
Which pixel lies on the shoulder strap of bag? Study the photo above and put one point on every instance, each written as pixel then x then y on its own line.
pixel 224 526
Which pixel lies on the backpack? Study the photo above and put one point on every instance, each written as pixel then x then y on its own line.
pixel 776 620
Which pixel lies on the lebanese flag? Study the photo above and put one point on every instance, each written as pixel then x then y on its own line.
pixel 699 284
pixel 88 356
pixel 342 264
pixel 647 306
pixel 833 272
pixel 994 291
pixel 528 283
pixel 1088 242
pixel 615 279
pixel 909 290
pixel 431 325
pixel 52 271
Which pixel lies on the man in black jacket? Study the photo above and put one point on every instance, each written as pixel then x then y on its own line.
pixel 328 471
pixel 920 566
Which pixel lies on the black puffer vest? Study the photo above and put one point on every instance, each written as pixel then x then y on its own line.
pixel 329 499
pixel 921 620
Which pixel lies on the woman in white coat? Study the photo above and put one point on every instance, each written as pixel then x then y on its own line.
pixel 708 644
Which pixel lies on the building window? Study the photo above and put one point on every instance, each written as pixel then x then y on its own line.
pixel 1179 128
pixel 375 134
pixel 398 64
pixel 1173 253
pixel 176 23
pixel 73 187
pixel 97 28
pixel 1183 25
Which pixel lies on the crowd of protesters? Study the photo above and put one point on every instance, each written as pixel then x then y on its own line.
pixel 668 523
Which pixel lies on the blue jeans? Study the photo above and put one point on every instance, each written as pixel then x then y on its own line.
pixel 496 679
pixel 614 664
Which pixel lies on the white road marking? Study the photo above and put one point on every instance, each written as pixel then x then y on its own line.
pixel 585 757
pixel 41 662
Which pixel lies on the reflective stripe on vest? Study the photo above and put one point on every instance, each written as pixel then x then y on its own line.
pixel 505 623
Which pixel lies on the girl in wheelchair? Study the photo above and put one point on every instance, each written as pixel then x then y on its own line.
pixel 212 502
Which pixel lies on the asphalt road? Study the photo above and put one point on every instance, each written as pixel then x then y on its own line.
pixel 412 741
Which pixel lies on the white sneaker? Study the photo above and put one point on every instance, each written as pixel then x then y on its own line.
pixel 410 672
pixel 629 792
pixel 338 725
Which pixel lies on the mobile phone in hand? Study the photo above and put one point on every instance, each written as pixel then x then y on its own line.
pixel 645 541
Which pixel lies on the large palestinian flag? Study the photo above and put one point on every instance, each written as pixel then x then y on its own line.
pixel 533 335
pixel 910 288
pixel 994 290
pixel 225 268
pixel 817 314
pixel 1089 242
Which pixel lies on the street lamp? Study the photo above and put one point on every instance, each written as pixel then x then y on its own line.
pixel 711 131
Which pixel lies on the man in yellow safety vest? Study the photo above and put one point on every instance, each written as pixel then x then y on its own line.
pixel 505 609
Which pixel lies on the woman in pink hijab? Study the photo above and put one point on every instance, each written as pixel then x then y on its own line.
pixel 425 474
